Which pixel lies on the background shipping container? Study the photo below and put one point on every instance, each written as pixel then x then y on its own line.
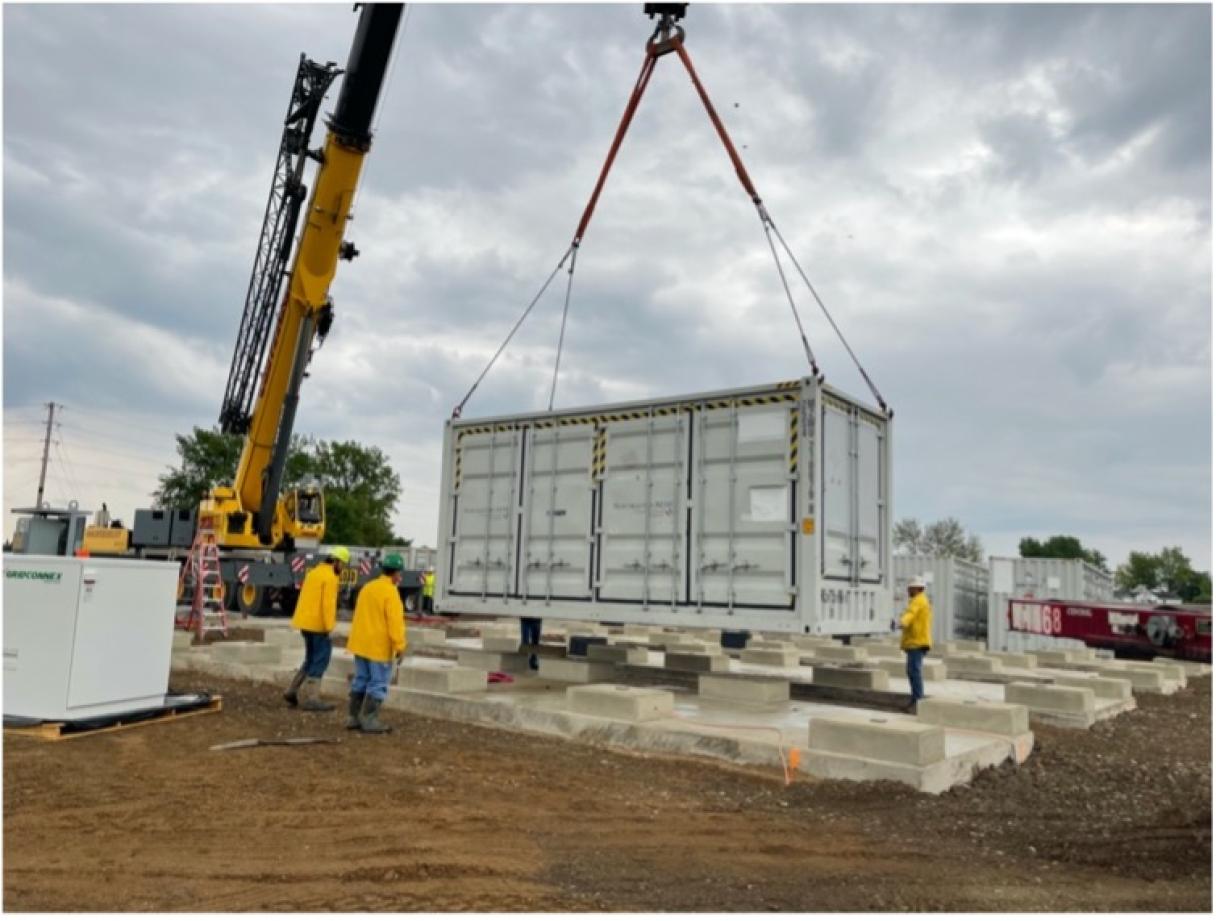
pixel 957 589
pixel 764 508
pixel 1014 577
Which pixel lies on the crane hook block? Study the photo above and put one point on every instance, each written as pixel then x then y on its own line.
pixel 674 10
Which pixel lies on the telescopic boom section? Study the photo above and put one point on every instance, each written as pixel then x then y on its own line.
pixel 306 304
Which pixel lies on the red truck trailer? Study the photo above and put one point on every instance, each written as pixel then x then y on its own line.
pixel 1131 631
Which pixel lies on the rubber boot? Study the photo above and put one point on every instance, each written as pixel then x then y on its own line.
pixel 369 719
pixel 291 695
pixel 311 697
pixel 353 710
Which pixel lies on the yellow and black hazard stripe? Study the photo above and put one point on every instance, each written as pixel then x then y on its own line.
pixel 599 453
pixel 794 440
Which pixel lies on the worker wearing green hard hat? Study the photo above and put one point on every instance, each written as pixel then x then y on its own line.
pixel 315 616
pixel 377 639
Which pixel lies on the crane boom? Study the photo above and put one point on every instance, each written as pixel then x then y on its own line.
pixel 251 512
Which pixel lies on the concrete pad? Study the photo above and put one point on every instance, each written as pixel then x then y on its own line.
pixel 687 662
pixel 814 642
pixel 182 639
pixel 968 645
pixel 829 676
pixel 1169 668
pixel 1141 681
pixel 618 655
pixel 1015 659
pixel 492 661
pixel 575 672
pixel 422 637
pixel 780 658
pixel 840 654
pixel 964 664
pixel 982 716
pixel 898 668
pixel 635 705
pixel 889 650
pixel 500 643
pixel 902 741
pixel 246 653
pixel 743 689
pixel 442 680
pixel 1058 656
pixel 692 649
pixel 1112 688
pixel 1192 669
pixel 282 636
pixel 1049 699
pixel 662 637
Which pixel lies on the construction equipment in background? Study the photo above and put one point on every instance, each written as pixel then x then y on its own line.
pixel 1131 631
pixel 50 531
pixel 259 528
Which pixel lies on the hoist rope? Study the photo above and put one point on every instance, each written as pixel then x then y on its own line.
pixel 806 345
pixel 543 288
pixel 561 337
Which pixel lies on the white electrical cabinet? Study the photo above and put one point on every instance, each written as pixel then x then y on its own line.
pixel 86 638
pixel 763 508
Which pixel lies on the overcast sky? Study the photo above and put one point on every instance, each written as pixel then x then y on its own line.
pixel 1007 208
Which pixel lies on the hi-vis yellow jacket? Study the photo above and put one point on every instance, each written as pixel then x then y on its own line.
pixel 428 585
pixel 917 623
pixel 377 631
pixel 317 606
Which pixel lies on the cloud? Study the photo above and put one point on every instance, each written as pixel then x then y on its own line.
pixel 1007 209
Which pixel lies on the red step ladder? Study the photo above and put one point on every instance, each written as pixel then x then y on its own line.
pixel 202 586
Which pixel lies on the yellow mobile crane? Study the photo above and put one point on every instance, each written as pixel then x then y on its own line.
pixel 251 513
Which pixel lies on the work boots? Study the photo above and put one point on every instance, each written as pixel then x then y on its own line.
pixel 312 697
pixel 291 695
pixel 353 710
pixel 369 720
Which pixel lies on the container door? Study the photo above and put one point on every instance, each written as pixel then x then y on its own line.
pixel 869 498
pixel 643 515
pixel 557 513
pixel 837 492
pixel 744 524
pixel 487 494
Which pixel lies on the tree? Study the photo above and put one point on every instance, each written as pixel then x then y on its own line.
pixel 946 538
pixel 361 491
pixel 1167 573
pixel 1060 547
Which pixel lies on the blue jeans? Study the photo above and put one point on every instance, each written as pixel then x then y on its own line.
pixel 529 635
pixel 916 659
pixel 371 678
pixel 317 649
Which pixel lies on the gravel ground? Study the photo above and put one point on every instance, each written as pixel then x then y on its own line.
pixel 445 817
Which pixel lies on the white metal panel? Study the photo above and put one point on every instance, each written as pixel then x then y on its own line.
pixel 557 521
pixel 1014 577
pixel 486 496
pixel 644 511
pixel 957 590
pixel 838 488
pixel 870 513
pixel 742 544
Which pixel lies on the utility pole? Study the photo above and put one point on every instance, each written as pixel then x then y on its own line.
pixel 46 450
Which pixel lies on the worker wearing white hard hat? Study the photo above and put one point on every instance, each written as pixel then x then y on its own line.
pixel 916 623
pixel 315 617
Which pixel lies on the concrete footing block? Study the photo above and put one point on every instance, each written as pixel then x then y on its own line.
pixel 500 643
pixel 575 672
pixel 456 680
pixel 982 716
pixel 743 689
pixel 492 661
pixel 1050 698
pixel 635 705
pixel 1192 669
pixel 1111 688
pixel 1057 656
pixel 831 676
pixel 898 668
pixel 780 645
pixel 840 654
pixel 778 657
pixel 688 662
pixel 1146 681
pixel 1015 659
pixel 970 664
pixel 426 637
pixel 968 645
pixel 617 655
pixel 879 739
pixel 182 639
pixel 887 650
pixel 246 653
pixel 814 642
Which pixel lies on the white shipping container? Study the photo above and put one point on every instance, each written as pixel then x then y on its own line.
pixel 957 590
pixel 765 508
pixel 86 638
pixel 1014 577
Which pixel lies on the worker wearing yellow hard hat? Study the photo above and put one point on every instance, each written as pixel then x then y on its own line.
pixel 315 616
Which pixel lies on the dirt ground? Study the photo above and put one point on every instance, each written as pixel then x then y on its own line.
pixel 445 817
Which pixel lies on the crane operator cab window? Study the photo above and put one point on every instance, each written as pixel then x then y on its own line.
pixel 310 508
